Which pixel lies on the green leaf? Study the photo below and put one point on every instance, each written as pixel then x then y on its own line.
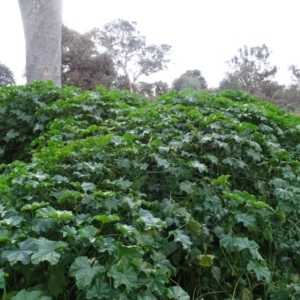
pixel 227 242
pixel 33 295
pixel 123 275
pixel 124 184
pixel 88 232
pixel 88 186
pixel 194 227
pixel 149 221
pixel 56 281
pixel 246 219
pixel 10 135
pixel 216 272
pixel 280 215
pixel 84 272
pixel 2 278
pixel 34 206
pixel 104 244
pixel 201 167
pixel 98 290
pixel 21 254
pixel 212 158
pixel 106 218
pixel 162 162
pixel 261 272
pixel 117 140
pixel 50 251
pixel 221 180
pixel 12 221
pixel 179 236
pixel 187 186
pixel 206 260
pixel 146 296
pixel 176 292
pixel 127 254
pixel 155 283
pixel 160 261
pixel 283 194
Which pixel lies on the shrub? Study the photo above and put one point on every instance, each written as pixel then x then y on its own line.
pixel 195 196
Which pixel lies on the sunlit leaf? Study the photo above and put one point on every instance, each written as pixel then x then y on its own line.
pixel 206 260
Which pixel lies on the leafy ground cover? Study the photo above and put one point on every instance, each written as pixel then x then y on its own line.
pixel 106 196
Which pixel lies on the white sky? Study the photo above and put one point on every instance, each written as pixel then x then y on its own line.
pixel 204 34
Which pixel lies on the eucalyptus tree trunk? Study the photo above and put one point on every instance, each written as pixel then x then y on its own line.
pixel 42 22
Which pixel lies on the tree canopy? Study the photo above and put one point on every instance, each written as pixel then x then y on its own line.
pixel 82 64
pixel 129 51
pixel 190 79
pixel 6 75
pixel 251 71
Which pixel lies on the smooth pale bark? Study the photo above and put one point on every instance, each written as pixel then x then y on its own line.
pixel 42 22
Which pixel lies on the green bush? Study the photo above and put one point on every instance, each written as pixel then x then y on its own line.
pixel 193 197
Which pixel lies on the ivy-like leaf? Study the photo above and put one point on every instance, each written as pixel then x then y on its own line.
pixel 155 283
pixel 283 194
pixel 161 262
pixel 123 275
pixel 150 222
pixel 98 290
pixel 12 221
pixel 206 260
pixel 247 219
pixel 33 295
pixel 201 167
pixel 48 250
pixel 187 186
pixel 176 292
pixel 84 272
pixel 10 135
pixel 88 186
pixel 22 253
pixel 261 272
pixel 179 236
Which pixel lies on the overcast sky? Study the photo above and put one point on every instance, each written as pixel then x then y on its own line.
pixel 204 34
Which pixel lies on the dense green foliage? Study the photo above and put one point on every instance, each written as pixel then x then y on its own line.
pixel 193 197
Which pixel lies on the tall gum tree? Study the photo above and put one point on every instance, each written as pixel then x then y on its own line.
pixel 42 23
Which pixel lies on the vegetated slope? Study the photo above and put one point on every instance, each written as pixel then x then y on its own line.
pixel 195 196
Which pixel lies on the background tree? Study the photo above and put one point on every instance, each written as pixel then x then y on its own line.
pixel 152 90
pixel 82 65
pixel 251 71
pixel 295 74
pixel 6 76
pixel 190 79
pixel 129 51
pixel 42 22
